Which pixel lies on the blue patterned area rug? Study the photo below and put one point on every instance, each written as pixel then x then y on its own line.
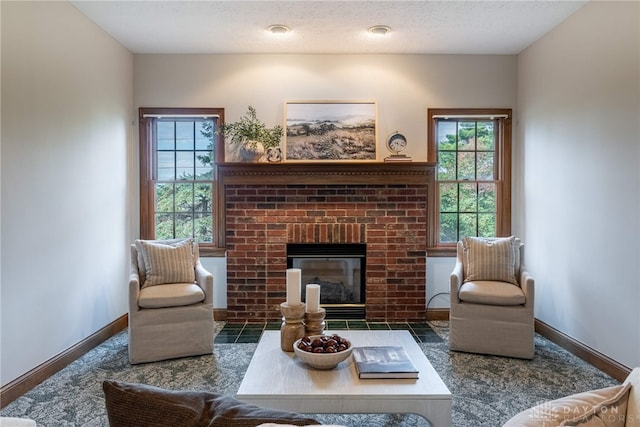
pixel 486 390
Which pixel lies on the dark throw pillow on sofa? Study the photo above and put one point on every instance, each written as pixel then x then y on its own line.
pixel 139 405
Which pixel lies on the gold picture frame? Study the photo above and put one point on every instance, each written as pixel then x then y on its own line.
pixel 331 131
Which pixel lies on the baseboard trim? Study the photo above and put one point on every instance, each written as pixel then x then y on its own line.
pixel 588 354
pixel 438 314
pixel 220 314
pixel 26 382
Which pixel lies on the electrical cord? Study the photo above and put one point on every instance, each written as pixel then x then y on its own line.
pixel 439 293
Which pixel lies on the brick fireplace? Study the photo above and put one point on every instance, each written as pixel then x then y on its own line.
pixel 269 206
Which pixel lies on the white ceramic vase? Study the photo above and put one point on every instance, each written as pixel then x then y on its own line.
pixel 251 151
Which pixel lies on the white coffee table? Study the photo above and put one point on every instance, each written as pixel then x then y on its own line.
pixel 279 380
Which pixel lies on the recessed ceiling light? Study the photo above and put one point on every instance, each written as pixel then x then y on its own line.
pixel 278 29
pixel 379 30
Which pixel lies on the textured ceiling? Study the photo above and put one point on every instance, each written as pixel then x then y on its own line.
pixel 236 26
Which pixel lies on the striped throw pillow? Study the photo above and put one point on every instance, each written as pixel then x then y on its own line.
pixel 490 259
pixel 168 263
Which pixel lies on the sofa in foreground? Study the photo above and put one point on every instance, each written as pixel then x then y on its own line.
pixel 140 405
pixel 617 406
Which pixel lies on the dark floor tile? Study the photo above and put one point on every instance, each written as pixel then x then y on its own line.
pixel 428 336
pixel 233 326
pixel 273 326
pixel 254 326
pixel 229 333
pixel 248 339
pixel 378 326
pixel 400 326
pixel 419 326
pixel 225 339
pixel 357 325
pixel 335 324
pixel 251 333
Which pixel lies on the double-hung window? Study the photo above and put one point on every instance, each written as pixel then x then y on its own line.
pixel 178 174
pixel 472 194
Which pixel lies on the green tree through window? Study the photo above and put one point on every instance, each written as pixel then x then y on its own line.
pixel 178 174
pixel 472 193
pixel 184 179
pixel 466 153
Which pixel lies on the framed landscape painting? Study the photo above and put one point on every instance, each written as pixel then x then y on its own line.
pixel 330 131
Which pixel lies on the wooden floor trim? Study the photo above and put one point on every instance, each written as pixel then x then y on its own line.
pixel 26 382
pixel 588 354
pixel 438 314
pixel 220 314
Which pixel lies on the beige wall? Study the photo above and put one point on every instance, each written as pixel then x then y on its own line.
pixel 403 86
pixel 67 137
pixel 577 202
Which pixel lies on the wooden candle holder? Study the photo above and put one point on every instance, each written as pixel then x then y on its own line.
pixel 292 328
pixel 314 322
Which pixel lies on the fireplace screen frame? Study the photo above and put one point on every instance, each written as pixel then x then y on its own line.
pixel 350 310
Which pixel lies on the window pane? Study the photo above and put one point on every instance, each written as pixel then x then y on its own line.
pixel 448 227
pixel 468 197
pixel 447 165
pixel 203 227
pixel 204 165
pixel 486 225
pixel 204 134
pixel 164 226
pixel 184 165
pixel 446 135
pixel 180 150
pixel 487 197
pixel 202 197
pixel 448 197
pixel 485 166
pixel 184 225
pixel 467 170
pixel 466 165
pixel 184 136
pixel 164 198
pixel 184 197
pixel 166 166
pixel 468 225
pixel 466 135
pixel 486 136
pixel 166 135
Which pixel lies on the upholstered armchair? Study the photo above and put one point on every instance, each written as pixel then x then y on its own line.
pixel 492 297
pixel 170 301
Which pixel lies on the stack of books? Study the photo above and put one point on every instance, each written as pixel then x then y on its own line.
pixel 383 362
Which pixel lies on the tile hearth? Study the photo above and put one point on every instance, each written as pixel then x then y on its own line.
pixel 243 333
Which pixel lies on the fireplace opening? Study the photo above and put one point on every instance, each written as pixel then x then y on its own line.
pixel 339 269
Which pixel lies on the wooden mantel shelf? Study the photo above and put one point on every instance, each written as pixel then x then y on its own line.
pixel 326 173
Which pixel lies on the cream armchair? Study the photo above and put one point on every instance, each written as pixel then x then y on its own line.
pixel 492 297
pixel 170 301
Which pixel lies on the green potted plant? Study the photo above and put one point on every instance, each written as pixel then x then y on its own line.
pixel 252 134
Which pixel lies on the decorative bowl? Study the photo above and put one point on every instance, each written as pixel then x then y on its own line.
pixel 321 360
